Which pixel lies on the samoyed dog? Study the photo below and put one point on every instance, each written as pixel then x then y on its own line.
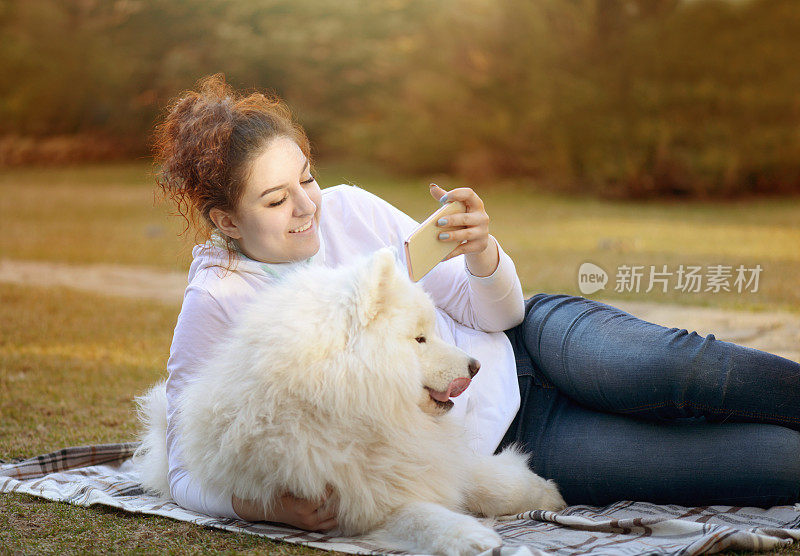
pixel 338 377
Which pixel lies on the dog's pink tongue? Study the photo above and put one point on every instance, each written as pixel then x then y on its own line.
pixel 455 388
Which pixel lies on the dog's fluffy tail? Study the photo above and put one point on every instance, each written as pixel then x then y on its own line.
pixel 150 459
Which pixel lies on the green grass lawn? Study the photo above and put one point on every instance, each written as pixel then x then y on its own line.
pixel 70 362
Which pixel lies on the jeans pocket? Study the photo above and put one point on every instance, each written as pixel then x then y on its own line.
pixel 527 371
pixel 524 363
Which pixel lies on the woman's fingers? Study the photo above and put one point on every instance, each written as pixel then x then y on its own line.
pixel 464 194
pixel 465 219
pixel 455 253
pixel 467 248
pixel 464 234
pixel 472 240
pixel 311 515
pixel 327 525
pixel 325 516
pixel 436 191
pixel 300 505
pixel 467 231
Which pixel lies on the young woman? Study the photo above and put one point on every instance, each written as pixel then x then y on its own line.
pixel 611 407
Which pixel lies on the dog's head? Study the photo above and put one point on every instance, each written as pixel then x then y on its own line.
pixel 357 339
pixel 396 322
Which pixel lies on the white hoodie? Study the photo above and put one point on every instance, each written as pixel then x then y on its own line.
pixel 472 312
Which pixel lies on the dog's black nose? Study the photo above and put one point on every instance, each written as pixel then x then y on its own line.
pixel 474 365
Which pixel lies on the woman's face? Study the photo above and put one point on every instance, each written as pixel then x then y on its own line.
pixel 277 219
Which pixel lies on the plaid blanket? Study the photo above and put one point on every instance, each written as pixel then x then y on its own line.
pixel 104 474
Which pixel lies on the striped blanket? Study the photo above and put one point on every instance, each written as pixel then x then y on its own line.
pixel 103 474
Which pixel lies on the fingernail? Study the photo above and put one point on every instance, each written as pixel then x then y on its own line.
pixel 444 236
pixel 432 185
pixel 443 199
pixel 441 222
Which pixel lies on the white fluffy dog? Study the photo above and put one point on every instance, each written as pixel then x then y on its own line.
pixel 337 377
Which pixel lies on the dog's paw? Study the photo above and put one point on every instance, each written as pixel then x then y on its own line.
pixel 468 537
pixel 542 495
pixel 535 493
pixel 549 498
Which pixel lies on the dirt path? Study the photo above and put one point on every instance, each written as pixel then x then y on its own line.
pixel 126 281
pixel 776 332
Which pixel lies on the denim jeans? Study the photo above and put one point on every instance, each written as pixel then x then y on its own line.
pixel 617 408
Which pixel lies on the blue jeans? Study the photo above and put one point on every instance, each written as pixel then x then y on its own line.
pixel 617 408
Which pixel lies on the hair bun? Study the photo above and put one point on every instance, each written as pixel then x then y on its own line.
pixel 207 140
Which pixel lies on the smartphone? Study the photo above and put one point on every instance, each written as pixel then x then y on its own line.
pixel 423 248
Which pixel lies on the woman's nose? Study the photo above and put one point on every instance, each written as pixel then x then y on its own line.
pixel 304 205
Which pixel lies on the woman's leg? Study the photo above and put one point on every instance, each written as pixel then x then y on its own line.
pixel 598 458
pixel 608 360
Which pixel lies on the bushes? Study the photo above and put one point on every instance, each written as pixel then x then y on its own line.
pixel 693 99
pixel 631 98
pixel 57 150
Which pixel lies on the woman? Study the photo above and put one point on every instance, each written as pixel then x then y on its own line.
pixel 611 407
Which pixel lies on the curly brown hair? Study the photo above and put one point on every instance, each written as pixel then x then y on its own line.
pixel 206 143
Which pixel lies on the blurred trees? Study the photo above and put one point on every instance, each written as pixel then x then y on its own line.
pixel 619 97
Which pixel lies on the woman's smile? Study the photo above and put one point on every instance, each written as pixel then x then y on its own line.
pixel 304 228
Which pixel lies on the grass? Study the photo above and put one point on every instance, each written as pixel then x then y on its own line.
pixel 108 213
pixel 70 362
pixel 30 525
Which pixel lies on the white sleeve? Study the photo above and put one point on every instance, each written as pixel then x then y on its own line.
pixel 200 323
pixel 492 303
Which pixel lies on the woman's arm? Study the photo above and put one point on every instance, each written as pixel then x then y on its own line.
pixel 493 276
pixel 203 322
pixel 490 303
pixel 200 324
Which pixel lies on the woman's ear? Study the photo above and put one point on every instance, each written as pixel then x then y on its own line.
pixel 224 223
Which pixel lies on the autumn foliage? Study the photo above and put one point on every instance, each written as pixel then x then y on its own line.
pixel 633 98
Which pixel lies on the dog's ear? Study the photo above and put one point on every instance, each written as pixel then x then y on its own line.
pixel 376 285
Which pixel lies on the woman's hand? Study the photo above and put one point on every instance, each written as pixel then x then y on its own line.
pixel 470 229
pixel 310 515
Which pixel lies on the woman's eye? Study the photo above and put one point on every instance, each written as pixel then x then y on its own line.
pixel 276 203
pixel 420 339
pixel 304 182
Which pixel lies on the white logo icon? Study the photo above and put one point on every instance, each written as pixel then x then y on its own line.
pixel 591 278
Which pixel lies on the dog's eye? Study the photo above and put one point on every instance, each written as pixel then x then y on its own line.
pixel 420 339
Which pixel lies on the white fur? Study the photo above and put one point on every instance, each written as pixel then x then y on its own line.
pixel 150 458
pixel 322 382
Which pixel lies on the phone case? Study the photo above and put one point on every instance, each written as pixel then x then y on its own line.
pixel 423 248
